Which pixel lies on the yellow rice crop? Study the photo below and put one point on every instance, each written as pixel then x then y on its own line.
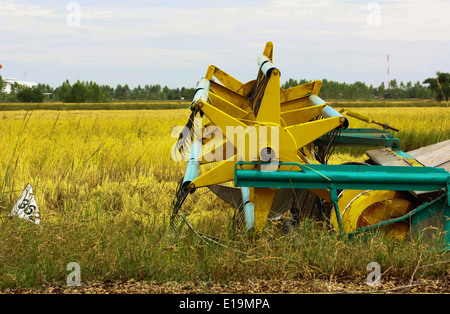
pixel 124 156
pixel 100 177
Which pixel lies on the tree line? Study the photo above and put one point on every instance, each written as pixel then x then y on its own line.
pixel 437 88
pixel 91 92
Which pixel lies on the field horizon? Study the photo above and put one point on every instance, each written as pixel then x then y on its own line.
pixel 183 104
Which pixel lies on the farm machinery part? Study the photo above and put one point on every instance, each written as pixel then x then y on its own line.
pixel 274 144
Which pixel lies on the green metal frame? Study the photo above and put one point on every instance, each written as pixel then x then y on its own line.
pixel 365 137
pixel 352 177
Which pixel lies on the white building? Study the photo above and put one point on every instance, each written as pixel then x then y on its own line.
pixel 10 82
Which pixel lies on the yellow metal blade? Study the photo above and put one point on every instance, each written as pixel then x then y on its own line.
pixel 208 131
pixel 323 194
pixel 229 95
pixel 301 115
pixel 297 97
pixel 226 79
pixel 308 132
pixel 268 50
pixel 227 107
pixel 262 199
pixel 295 104
pixel 220 118
pixel 222 173
pixel 301 91
pixel 269 111
pixel 213 152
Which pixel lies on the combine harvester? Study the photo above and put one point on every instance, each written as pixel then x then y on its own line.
pixel 274 144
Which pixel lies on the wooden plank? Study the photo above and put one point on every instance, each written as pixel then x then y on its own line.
pixel 436 155
pixel 425 155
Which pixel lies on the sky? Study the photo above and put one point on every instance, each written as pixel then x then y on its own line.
pixel 172 43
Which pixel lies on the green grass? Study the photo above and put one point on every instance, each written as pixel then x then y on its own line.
pixel 109 249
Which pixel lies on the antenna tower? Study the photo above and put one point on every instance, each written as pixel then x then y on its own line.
pixel 388 73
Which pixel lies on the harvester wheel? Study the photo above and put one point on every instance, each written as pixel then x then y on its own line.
pixel 359 208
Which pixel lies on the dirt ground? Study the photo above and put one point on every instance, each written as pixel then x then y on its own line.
pixel 439 286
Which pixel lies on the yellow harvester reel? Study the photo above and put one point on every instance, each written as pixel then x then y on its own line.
pixel 276 129
pixel 283 122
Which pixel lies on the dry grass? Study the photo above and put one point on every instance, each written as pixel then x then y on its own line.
pixel 104 182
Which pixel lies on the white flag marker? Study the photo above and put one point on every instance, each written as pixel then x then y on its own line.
pixel 26 207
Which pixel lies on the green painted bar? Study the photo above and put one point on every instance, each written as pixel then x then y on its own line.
pixel 356 177
pixel 365 137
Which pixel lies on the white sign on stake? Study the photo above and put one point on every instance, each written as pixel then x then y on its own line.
pixel 26 207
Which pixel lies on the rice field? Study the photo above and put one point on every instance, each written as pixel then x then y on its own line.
pixel 104 181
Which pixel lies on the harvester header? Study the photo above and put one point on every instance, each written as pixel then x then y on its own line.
pixel 274 145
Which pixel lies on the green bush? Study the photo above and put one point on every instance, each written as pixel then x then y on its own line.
pixel 30 95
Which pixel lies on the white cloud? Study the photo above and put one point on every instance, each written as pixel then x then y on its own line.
pixel 324 33
pixel 16 9
pixel 415 20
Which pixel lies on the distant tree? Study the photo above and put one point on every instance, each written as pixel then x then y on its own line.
pixel 28 94
pixel 2 84
pixel 440 85
pixel 64 92
pixel 168 93
pixel 81 92
pixel 108 91
pixel 16 88
pixel 188 93
pixel 393 84
pixel 155 91
pixel 123 92
pixel 290 83
pixel 78 92
pixel 94 93
pixel 47 90
pixel 417 91
pixel 380 90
